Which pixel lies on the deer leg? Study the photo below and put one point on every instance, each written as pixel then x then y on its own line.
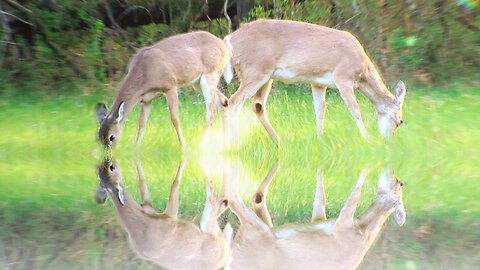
pixel 371 221
pixel 221 203
pixel 214 99
pixel 346 216
pixel 146 201
pixel 259 106
pixel 248 219
pixel 142 122
pixel 209 222
pixel 172 99
pixel 225 192
pixel 236 101
pixel 259 200
pixel 318 93
pixel 318 212
pixel 196 86
pixel 222 106
pixel 173 198
pixel 208 83
pixel 345 86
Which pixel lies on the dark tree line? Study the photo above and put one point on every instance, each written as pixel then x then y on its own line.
pixel 51 40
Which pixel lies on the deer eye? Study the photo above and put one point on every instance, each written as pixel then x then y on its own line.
pixel 111 138
pixel 111 168
pixel 399 123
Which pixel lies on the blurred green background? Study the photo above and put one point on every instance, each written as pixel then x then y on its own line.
pixel 58 58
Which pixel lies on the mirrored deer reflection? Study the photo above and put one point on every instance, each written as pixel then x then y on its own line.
pixel 339 243
pixel 161 237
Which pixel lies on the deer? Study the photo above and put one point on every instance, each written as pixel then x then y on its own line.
pixel 195 58
pixel 296 52
pixel 163 238
pixel 339 243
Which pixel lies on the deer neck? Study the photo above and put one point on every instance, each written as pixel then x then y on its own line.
pixel 128 94
pixel 372 220
pixel 383 100
pixel 377 92
pixel 130 213
pixel 130 101
pixel 384 106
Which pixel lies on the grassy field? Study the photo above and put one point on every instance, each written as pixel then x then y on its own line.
pixel 48 159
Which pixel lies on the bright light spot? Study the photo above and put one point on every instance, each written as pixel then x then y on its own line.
pixel 247 121
pixel 211 149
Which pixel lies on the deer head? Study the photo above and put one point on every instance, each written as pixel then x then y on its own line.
pixel 391 118
pixel 110 124
pixel 389 192
pixel 110 181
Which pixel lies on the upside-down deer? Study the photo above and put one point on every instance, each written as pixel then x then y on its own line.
pixel 339 243
pixel 161 237
pixel 196 58
pixel 294 52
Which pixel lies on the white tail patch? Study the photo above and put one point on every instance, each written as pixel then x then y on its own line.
pixel 227 41
pixel 228 234
pixel 228 69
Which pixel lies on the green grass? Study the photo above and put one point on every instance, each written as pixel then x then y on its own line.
pixel 48 159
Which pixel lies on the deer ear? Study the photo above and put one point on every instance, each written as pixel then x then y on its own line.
pixel 399 214
pixel 120 114
pixel 399 92
pixel 101 112
pixel 101 194
pixel 120 194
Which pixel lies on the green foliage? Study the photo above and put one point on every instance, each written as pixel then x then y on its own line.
pixel 434 40
pixel 93 55
pixel 258 12
pixel 150 34
pixel 408 49
pixel 308 11
pixel 218 27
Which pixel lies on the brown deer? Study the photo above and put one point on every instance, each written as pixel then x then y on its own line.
pixel 297 52
pixel 196 58
pixel 339 243
pixel 161 237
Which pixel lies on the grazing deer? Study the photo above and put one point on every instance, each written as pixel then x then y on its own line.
pixel 327 244
pixel 294 52
pixel 196 59
pixel 161 237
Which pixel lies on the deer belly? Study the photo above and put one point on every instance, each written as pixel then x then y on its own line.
pixel 288 76
pixel 190 81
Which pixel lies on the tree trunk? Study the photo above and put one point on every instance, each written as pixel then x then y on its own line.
pixel 243 7
pixel 381 36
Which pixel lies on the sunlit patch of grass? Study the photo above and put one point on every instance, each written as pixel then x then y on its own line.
pixel 48 152
pixel 49 159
